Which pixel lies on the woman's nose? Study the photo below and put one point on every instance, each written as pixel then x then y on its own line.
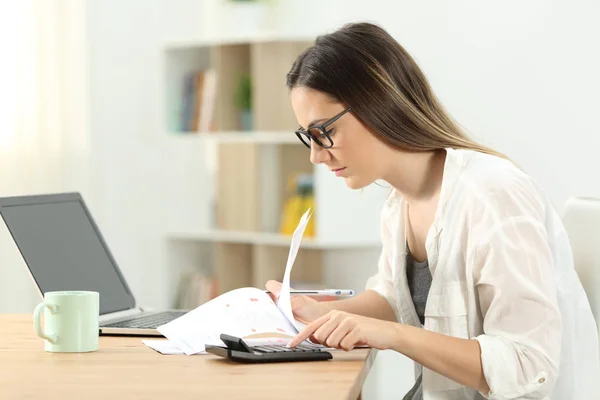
pixel 318 154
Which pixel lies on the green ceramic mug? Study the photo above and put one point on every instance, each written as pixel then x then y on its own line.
pixel 70 321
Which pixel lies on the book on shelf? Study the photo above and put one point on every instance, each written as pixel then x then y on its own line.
pixel 195 289
pixel 198 101
pixel 301 187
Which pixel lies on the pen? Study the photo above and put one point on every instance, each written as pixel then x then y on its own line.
pixel 323 292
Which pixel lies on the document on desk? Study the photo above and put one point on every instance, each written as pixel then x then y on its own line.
pixel 164 346
pixel 244 312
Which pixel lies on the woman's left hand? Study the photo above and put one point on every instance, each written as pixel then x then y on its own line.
pixel 345 331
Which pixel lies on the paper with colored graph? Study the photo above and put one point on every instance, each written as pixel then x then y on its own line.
pixel 242 312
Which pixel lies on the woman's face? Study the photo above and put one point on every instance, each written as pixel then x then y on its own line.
pixel 356 155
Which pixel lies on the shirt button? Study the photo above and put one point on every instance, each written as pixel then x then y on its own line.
pixel 541 380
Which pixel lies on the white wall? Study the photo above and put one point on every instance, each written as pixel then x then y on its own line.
pixel 141 179
pixel 521 76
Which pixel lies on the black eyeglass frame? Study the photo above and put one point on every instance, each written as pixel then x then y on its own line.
pixel 302 134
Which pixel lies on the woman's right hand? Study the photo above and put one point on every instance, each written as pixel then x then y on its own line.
pixel 305 308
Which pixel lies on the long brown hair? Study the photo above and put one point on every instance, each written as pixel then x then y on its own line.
pixel 362 66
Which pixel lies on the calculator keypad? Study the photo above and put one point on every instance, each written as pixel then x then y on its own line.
pixel 280 349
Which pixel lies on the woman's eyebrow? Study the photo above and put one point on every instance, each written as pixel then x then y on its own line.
pixel 314 122
pixel 317 120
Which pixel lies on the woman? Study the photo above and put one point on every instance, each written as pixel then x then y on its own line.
pixel 475 281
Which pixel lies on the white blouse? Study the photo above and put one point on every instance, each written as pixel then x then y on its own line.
pixel 502 275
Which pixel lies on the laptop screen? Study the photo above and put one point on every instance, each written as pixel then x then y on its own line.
pixel 64 251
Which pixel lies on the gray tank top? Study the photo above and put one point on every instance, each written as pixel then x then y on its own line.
pixel 419 282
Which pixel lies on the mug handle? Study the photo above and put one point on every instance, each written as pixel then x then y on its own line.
pixel 37 324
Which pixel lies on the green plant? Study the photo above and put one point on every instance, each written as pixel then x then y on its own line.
pixel 243 94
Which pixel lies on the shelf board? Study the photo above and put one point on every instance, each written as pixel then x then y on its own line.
pixel 287 137
pixel 267 239
pixel 218 40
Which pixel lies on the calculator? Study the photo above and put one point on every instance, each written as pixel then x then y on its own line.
pixel 237 350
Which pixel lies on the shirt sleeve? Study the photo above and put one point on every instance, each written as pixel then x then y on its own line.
pixel 383 281
pixel 515 280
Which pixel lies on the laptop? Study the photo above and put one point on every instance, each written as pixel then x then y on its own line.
pixel 64 250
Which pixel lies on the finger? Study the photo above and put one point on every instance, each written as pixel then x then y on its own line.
pixel 272 297
pixel 274 287
pixel 308 330
pixel 336 336
pixel 323 333
pixel 351 340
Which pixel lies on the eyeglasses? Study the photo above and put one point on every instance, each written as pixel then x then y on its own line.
pixel 319 133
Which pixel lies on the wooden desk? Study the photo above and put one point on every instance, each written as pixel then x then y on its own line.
pixel 124 368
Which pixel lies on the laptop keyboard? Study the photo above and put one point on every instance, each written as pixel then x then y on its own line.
pixel 150 321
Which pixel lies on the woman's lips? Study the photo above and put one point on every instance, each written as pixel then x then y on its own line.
pixel 338 171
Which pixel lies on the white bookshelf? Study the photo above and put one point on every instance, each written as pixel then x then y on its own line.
pixel 253 137
pixel 260 36
pixel 239 243
pixel 268 239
